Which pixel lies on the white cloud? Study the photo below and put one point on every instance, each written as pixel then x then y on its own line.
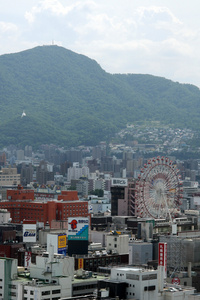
pixel 156 14
pixel 6 27
pixel 29 16
pixel 56 8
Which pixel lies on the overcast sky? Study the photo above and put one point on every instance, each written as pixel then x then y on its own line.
pixel 159 37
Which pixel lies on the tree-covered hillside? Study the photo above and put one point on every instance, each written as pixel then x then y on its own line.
pixel 70 100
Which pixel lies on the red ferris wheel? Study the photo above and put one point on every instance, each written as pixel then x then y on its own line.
pixel 158 189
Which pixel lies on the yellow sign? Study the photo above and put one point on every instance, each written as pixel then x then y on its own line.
pixel 62 241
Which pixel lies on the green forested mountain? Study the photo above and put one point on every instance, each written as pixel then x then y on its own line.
pixel 70 100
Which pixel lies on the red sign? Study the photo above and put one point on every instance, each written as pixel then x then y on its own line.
pixel 165 258
pixel 161 251
pixel 27 259
pixel 80 263
pixel 162 257
pixel 176 280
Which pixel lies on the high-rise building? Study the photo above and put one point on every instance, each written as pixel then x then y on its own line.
pixel 76 172
pixel 117 193
pixel 64 167
pixel 26 173
pixel 74 155
pixel 122 197
pixel 20 154
pixel 9 176
pixel 43 174
pixel 28 151
pixel 2 159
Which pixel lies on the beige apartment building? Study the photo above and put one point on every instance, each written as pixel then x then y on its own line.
pixel 9 176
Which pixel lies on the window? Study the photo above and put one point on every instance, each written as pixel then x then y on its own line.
pixel 149 276
pixel 150 288
pixel 132 276
pixel 56 291
pixel 12 286
pixel 45 293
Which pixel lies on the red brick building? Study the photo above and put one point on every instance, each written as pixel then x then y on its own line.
pixel 68 195
pixel 22 206
pixel 20 194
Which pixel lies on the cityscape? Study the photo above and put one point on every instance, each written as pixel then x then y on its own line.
pixel 101 222
pixel 99 150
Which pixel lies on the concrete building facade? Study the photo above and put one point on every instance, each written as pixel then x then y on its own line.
pixel 9 176
pixel 118 243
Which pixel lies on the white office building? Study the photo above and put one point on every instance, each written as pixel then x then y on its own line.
pixel 50 278
pixel 117 243
pixel 141 283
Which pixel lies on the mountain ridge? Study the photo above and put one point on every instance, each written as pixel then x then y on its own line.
pixel 70 100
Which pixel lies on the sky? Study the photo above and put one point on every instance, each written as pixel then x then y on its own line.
pixel 158 37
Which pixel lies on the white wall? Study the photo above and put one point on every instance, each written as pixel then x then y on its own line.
pixel 4 216
pixel 118 243
pixel 45 269
pixel 136 282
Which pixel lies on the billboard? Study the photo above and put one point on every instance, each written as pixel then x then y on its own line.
pixel 62 244
pixel 29 233
pixel 78 228
pixel 162 257
pixel 62 241
pixel 119 182
pixel 79 247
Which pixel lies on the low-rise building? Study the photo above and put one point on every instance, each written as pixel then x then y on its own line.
pixel 118 243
